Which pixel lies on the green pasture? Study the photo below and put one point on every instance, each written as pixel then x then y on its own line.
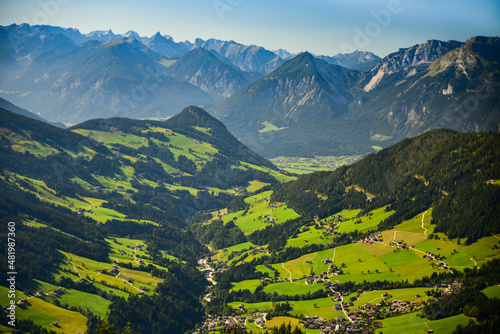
pixel 347 214
pixel 35 148
pixel 411 323
pixel 409 295
pixel 264 269
pixel 74 298
pixel 376 249
pixel 312 236
pixel 277 175
pixel 256 185
pixel 202 129
pixel 369 222
pixel 399 257
pixel 492 291
pixel 252 220
pixel 302 266
pixel 321 307
pixel 461 256
pixel 45 313
pixel 414 225
pixel 117 137
pixel 293 288
pixel 270 127
pixel 248 284
pixel 372 277
pixel 92 269
pixel 277 321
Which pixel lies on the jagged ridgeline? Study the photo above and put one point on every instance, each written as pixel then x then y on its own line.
pixel 453 172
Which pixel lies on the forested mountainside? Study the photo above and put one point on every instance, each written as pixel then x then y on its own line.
pixel 444 168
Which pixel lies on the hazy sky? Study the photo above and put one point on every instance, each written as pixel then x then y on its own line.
pixel 319 26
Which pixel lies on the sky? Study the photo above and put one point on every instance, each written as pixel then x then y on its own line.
pixel 323 27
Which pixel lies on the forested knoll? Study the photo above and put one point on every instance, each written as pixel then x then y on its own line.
pixel 437 168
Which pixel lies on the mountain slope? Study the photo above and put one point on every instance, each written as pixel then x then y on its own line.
pixel 105 158
pixel 166 46
pixel 433 85
pixel 116 78
pixel 25 43
pixel 23 112
pixel 249 58
pixel 456 90
pixel 214 76
pixel 301 92
pixel 411 60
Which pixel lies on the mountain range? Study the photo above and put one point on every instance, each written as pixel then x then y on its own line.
pixel 433 85
pixel 305 105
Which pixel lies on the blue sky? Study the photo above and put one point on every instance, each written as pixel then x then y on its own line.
pixel 319 26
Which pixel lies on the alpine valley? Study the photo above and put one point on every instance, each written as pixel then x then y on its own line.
pixel 138 195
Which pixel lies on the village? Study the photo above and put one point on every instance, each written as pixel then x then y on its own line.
pixel 355 320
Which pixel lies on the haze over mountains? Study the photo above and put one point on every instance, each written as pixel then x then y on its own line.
pixel 275 102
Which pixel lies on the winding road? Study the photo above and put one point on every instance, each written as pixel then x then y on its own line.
pixel 283 265
pixel 423 216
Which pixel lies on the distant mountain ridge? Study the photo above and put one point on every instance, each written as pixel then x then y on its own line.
pixel 248 58
pixel 215 76
pixel 357 60
pixel 100 79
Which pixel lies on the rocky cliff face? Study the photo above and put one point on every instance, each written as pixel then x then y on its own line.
pixel 412 60
pixel 458 90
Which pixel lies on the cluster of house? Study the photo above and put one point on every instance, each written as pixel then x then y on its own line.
pixel 239 189
pixel 82 210
pixel 340 218
pixel 332 268
pixel 231 321
pixel 277 280
pixel 137 247
pixel 376 237
pixel 268 218
pixel 337 325
pixel 317 278
pixel 221 322
pixel 274 205
pixel 438 258
pixel 401 244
